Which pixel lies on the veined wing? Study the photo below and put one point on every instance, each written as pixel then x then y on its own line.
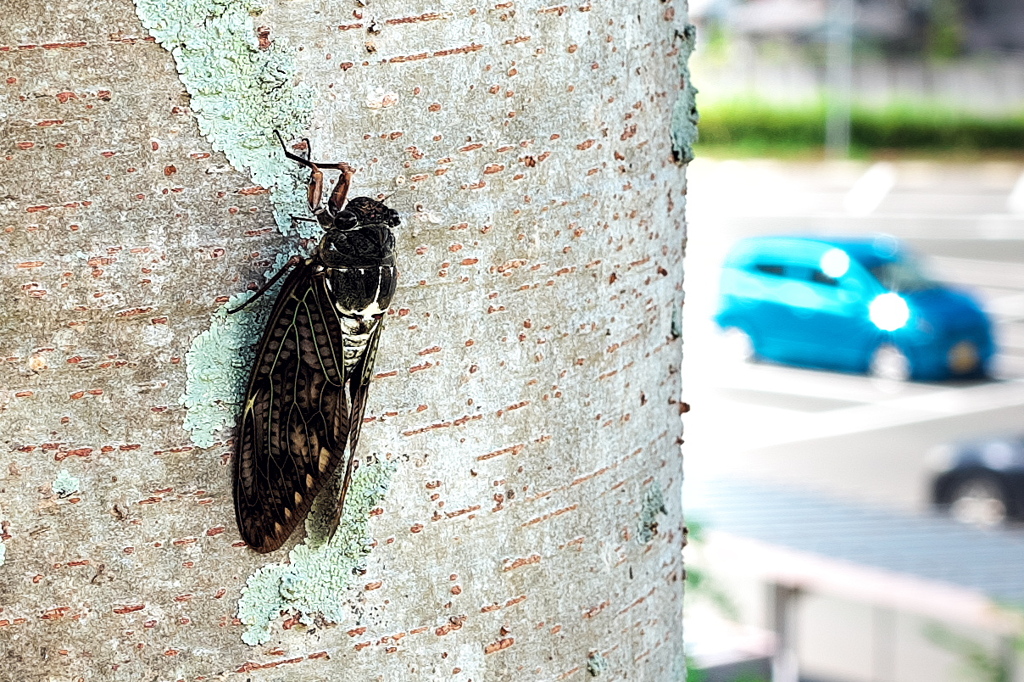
pixel 296 418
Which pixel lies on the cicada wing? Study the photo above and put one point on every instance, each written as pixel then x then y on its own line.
pixel 295 419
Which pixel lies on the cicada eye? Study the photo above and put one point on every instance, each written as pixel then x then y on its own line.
pixel 346 220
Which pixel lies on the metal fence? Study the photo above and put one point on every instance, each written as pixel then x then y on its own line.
pixel 984 86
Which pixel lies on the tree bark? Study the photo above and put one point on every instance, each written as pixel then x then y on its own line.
pixel 517 512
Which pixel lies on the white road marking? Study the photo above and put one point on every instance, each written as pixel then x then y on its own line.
pixel 804 383
pixel 1010 307
pixel 977 272
pixel 1015 200
pixel 870 190
pixel 777 427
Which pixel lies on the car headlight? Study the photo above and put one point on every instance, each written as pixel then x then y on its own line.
pixel 889 312
pixel 835 263
pixel 998 455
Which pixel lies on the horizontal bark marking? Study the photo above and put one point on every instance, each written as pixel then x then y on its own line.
pixel 498 606
pixel 513 564
pixel 638 601
pixel 250 666
pixel 514 450
pixel 499 645
pixel 460 512
pixel 428 16
pixel 129 609
pixel 550 515
pixel 465 49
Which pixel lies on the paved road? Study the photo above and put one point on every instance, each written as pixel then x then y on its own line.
pixel 842 434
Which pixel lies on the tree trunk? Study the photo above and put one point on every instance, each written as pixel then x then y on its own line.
pixel 516 514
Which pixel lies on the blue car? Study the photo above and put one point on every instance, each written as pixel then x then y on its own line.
pixel 855 304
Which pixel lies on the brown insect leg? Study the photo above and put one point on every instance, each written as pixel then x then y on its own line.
pixel 292 262
pixel 340 192
pixel 341 165
pixel 336 202
pixel 294 157
pixel 315 190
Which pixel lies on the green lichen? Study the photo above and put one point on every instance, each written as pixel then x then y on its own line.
pixel 314 579
pixel 65 484
pixel 217 364
pixel 684 115
pixel 241 93
pixel 596 664
pixel 653 505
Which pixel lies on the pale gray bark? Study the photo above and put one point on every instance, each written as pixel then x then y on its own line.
pixel 521 487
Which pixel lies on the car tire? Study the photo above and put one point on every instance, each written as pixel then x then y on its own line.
pixel 737 346
pixel 980 501
pixel 889 362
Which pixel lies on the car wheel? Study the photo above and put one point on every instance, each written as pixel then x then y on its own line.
pixel 737 346
pixel 979 500
pixel 889 362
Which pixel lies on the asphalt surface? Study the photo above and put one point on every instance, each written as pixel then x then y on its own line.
pixel 850 436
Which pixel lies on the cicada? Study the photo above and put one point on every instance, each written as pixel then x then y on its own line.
pixel 307 389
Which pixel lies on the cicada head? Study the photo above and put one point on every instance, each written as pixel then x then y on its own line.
pixel 369 211
pixel 360 236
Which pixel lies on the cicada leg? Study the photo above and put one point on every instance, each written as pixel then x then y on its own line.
pixel 336 202
pixel 292 262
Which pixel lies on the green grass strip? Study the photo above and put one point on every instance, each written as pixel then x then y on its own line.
pixel 758 126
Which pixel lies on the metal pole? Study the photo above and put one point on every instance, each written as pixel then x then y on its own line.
pixel 838 77
pixel 1008 657
pixel 782 620
pixel 884 649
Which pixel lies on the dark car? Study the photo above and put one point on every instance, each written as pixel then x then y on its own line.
pixel 855 304
pixel 980 481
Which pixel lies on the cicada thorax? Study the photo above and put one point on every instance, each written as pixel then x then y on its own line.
pixel 358 266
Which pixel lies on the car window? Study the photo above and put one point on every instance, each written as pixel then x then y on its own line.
pixel 797 272
pixel 819 277
pixel 770 269
pixel 905 275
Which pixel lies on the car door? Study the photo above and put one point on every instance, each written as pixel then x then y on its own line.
pixel 831 324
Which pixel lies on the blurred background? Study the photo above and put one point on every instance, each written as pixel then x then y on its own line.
pixel 855 525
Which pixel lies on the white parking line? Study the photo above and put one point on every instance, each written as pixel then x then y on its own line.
pixel 1015 200
pixel 870 190
pixel 1009 307
pixel 776 429
pixel 977 272
pixel 804 383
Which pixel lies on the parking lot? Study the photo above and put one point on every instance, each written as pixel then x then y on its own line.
pixel 827 459
pixel 848 435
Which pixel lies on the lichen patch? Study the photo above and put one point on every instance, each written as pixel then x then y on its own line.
pixel 684 114
pixel 314 580
pixel 241 92
pixel 242 88
pixel 65 484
